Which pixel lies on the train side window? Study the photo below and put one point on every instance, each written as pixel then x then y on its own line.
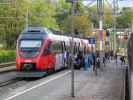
pixel 75 48
pixel 78 47
pixel 55 47
pixel 62 47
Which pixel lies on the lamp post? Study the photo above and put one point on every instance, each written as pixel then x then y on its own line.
pixel 100 10
pixel 73 12
pixel 115 12
pixel 27 19
pixel 72 67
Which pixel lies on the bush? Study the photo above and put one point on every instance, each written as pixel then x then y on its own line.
pixel 7 55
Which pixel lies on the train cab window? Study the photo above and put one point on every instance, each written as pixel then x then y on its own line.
pixel 47 50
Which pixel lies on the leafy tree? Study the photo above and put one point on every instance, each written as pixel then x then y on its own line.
pixel 10 19
pixel 125 18
pixel 81 23
pixel 92 12
pixel 108 17
pixel 13 15
pixel 42 13
pixel 63 10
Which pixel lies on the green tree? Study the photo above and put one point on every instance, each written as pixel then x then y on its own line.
pixel 42 13
pixel 63 10
pixel 11 20
pixel 125 18
pixel 107 16
pixel 13 15
pixel 92 14
pixel 81 23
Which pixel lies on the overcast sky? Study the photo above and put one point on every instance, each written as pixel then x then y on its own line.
pixel 122 3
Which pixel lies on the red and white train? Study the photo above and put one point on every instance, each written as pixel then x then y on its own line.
pixel 39 50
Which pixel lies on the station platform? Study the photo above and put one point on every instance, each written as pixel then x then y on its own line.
pixel 107 85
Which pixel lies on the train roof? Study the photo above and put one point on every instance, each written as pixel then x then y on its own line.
pixel 67 39
pixel 35 33
pixel 42 32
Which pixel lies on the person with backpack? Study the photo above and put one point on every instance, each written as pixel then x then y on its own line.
pixel 122 60
pixel 94 67
pixel 98 62
pixel 79 60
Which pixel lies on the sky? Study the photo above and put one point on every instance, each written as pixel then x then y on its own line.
pixel 122 3
pixel 127 3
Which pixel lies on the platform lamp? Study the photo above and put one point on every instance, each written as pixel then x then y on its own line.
pixel 73 12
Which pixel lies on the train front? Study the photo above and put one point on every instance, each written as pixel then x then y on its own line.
pixel 28 53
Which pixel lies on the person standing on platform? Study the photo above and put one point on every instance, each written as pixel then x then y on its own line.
pixel 94 63
pixel 104 60
pixel 116 58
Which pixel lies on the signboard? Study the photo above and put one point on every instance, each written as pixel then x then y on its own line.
pixel 92 40
pixel 71 1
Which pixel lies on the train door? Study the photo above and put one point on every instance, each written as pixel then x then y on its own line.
pixel 51 57
pixel 48 58
pixel 64 52
pixel 56 47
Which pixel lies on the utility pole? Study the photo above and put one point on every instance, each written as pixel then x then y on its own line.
pixel 27 19
pixel 73 12
pixel 132 26
pixel 100 10
pixel 115 12
pixel 72 67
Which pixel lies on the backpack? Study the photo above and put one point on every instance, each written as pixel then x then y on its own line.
pixel 98 60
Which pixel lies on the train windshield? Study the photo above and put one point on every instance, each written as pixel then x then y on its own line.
pixel 30 48
pixel 30 43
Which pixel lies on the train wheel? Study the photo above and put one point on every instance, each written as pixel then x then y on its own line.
pixel 50 71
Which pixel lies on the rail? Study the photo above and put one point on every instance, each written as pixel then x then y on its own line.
pixel 3 65
pixel 126 94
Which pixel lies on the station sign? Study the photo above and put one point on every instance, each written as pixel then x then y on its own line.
pixel 92 40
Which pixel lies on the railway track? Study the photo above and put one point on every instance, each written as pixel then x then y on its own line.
pixel 15 80
pixel 10 81
pixel 3 65
pixel 7 67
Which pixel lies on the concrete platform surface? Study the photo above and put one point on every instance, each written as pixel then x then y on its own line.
pixel 108 85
